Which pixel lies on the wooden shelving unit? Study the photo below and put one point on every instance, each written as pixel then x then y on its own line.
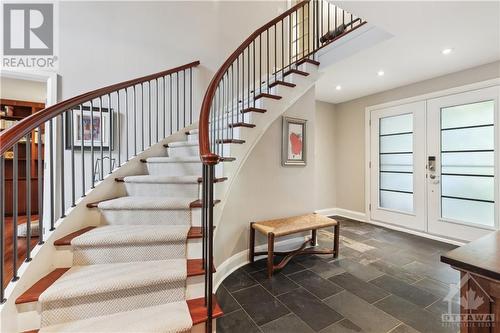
pixel 12 111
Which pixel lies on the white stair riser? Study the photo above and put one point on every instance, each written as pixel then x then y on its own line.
pixel 29 313
pixel 192 137
pixel 183 151
pixel 174 168
pixel 163 190
pixel 154 217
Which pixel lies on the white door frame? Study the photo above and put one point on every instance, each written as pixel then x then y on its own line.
pixel 369 109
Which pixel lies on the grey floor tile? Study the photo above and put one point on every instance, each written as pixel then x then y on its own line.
pixel 239 279
pixel 327 269
pixel 396 271
pixel 286 324
pixel 315 284
pixel 226 301
pixel 404 290
pixel 311 310
pixel 309 260
pixel 363 272
pixel 441 307
pixel 412 315
pixel 360 288
pixel 402 328
pixel 292 267
pixel 236 321
pixel 260 305
pixel 278 284
pixel 343 326
pixel 363 314
pixel 255 266
pixel 434 287
pixel 444 274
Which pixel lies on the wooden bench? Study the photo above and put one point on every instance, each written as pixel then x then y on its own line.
pixel 288 226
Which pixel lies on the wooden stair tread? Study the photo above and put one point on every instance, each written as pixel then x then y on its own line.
pixel 194 268
pixel 282 83
pixel 34 292
pixel 216 180
pixel 198 310
pixel 227 159
pixel 252 109
pixel 66 240
pixel 295 71
pixel 310 61
pixel 198 204
pixel 96 203
pixel 266 95
pixel 237 141
pixel 240 124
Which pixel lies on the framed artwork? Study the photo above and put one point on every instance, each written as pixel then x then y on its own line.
pixel 82 135
pixel 293 150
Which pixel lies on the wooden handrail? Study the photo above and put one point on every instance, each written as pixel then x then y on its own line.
pixel 12 135
pixel 204 142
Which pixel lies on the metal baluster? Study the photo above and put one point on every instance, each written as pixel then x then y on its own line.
pixel 15 183
pixel 157 112
pixel 282 50
pixel 171 106
pixel 238 90
pixel 232 98
pixel 248 80
pixel 242 80
pixel 70 116
pixel 190 95
pixel 101 137
pixel 2 227
pixel 296 37
pixel 134 100
pixel 267 58
pixel 111 135
pixel 28 197
pixel 91 143
pixel 40 186
pixel 126 126
pixel 260 64
pixel 209 202
pixel 62 188
pixel 52 181
pixel 321 17
pixel 118 125
pixel 150 115
pixel 82 145
pixel 177 91
pixel 290 41
pixel 184 98
pixel 164 107
pixel 142 115
pixel 275 55
pixel 335 28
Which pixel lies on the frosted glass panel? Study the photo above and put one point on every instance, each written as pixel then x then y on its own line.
pixel 396 162
pixel 479 188
pixel 396 181
pixel 469 211
pixel 396 143
pixel 396 124
pixel 397 201
pixel 478 138
pixel 477 163
pixel 475 114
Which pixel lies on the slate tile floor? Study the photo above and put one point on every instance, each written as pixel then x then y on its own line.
pixel 383 281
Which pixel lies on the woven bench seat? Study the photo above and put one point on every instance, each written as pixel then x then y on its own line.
pixel 288 226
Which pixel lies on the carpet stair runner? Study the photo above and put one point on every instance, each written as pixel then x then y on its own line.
pixel 132 272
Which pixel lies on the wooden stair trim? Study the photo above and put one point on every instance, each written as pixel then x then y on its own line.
pixel 96 203
pixel 282 83
pixel 227 159
pixel 266 95
pixel 34 292
pixel 198 310
pixel 216 180
pixel 310 61
pixel 198 203
pixel 241 124
pixel 143 160
pixel 252 109
pixel 295 71
pixel 120 179
pixel 194 268
pixel 237 141
pixel 66 240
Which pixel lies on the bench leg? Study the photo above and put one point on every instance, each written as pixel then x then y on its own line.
pixel 251 252
pixel 336 240
pixel 313 237
pixel 270 254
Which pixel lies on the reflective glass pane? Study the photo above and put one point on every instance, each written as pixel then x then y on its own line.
pixel 396 124
pixel 396 162
pixel 480 188
pixel 396 143
pixel 397 201
pixel 469 211
pixel 396 181
pixel 478 138
pixel 475 114
pixel 478 163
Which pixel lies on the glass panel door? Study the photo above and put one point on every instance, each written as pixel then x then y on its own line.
pixel 463 186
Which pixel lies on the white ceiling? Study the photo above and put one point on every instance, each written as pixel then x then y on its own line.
pixel 421 31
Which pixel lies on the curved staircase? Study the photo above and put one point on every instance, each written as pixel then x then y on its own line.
pixel 137 247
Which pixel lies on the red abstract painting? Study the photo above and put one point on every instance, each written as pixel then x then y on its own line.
pixel 296 143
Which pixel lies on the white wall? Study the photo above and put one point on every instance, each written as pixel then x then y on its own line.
pixel 23 90
pixel 263 189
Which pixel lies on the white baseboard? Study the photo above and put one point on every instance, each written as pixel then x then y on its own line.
pixel 362 217
pixel 241 258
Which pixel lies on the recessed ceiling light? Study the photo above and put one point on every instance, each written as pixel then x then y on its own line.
pixel 338 87
pixel 380 73
pixel 446 51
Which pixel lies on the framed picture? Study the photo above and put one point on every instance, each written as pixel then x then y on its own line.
pixel 83 135
pixel 293 150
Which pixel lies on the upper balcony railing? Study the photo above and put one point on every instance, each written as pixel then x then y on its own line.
pixel 53 157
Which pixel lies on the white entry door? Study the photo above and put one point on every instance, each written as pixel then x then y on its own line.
pixel 434 165
pixel 463 164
